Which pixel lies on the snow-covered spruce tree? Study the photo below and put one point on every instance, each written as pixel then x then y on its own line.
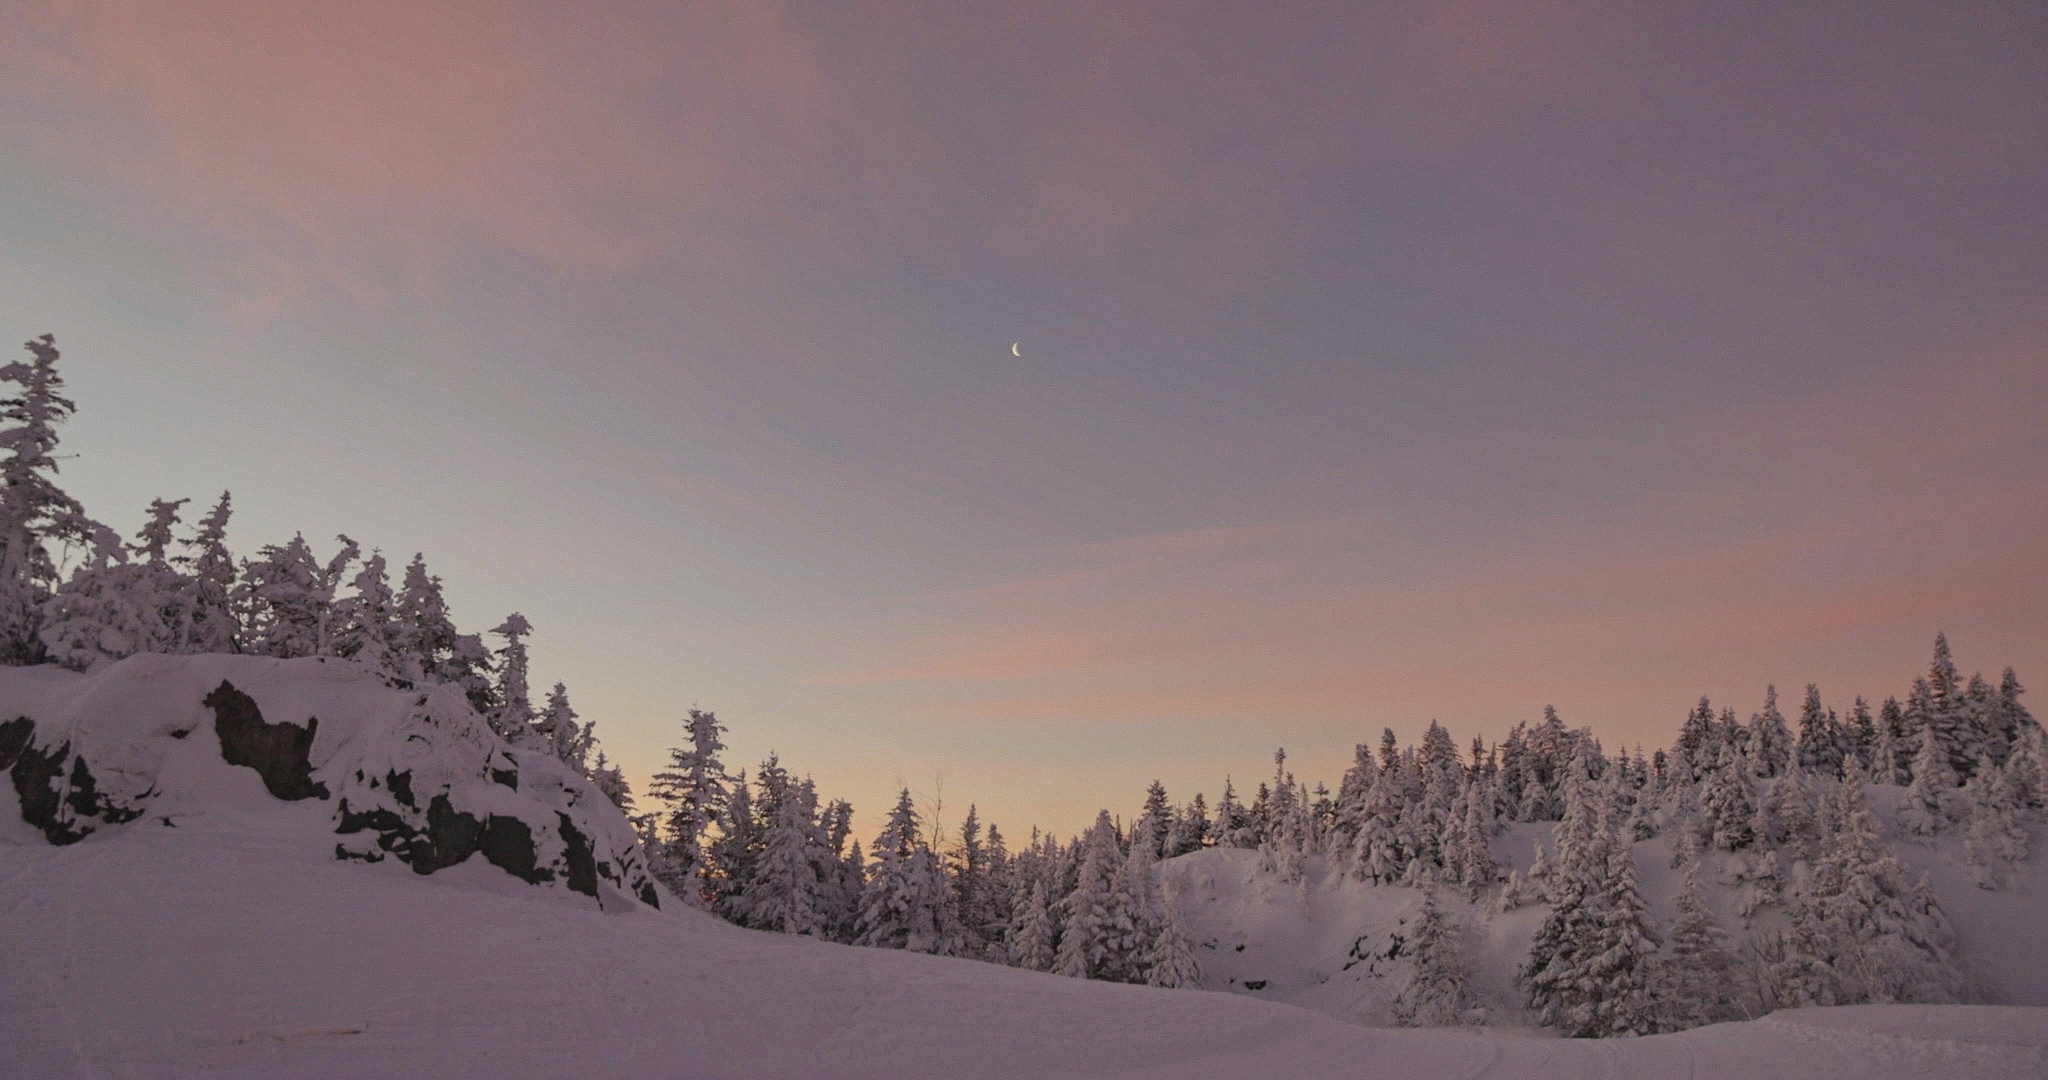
pixel 1997 841
pixel 513 718
pixel 367 629
pixel 115 606
pixel 1728 803
pixel 611 783
pixel 1696 968
pixel 35 514
pixel 286 596
pixel 695 788
pixel 1089 908
pixel 1820 747
pixel 210 587
pixel 556 729
pixel 2028 767
pixel 907 903
pixel 732 855
pixel 1285 848
pixel 1158 813
pixel 1172 962
pixel 1478 870
pixel 1233 825
pixel 1552 974
pixel 1859 932
pixel 785 894
pixel 1437 993
pixel 1931 804
pixel 1761 876
pixel 1770 742
pixel 1619 970
pixel 1031 946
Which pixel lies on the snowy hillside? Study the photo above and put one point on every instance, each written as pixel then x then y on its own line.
pixel 1335 944
pixel 377 768
pixel 196 918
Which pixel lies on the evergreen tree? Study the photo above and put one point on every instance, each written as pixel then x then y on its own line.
pixel 1158 816
pixel 1820 748
pixel 1930 804
pixel 1728 803
pixel 1437 993
pixel 368 628
pixel 287 597
pixel 611 783
pixel 906 903
pixel 1697 971
pixel 1032 945
pixel 695 788
pixel 1997 841
pixel 556 729
pixel 1089 908
pixel 784 894
pixel 513 718
pixel 1770 743
pixel 1619 973
pixel 1172 962
pixel 35 514
pixel 213 626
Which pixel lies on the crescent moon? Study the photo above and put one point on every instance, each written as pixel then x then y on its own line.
pixel 1013 349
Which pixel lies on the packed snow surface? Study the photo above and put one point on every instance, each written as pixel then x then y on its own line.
pixel 230 941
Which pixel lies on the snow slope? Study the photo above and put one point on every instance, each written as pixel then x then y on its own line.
pixel 233 943
pixel 1332 944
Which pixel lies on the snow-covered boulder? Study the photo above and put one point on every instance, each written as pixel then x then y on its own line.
pixel 394 771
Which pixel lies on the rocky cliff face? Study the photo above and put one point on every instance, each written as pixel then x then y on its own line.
pixel 407 774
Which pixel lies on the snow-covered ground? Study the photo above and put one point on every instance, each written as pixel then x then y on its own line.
pixel 230 941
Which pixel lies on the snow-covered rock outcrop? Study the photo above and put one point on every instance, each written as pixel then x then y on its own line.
pixel 389 771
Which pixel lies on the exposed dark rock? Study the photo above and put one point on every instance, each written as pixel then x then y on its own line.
pixel 582 865
pixel 507 777
pixel 14 737
pixel 37 777
pixel 280 753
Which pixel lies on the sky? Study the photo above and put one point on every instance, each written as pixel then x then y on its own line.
pixel 1373 364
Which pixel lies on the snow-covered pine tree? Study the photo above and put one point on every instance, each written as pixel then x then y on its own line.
pixel 1770 742
pixel 695 787
pixel 287 598
pixel 1158 814
pixel 1930 805
pixel 1727 802
pixel 556 730
pixel 1438 990
pixel 1820 748
pixel 1478 871
pixel 513 718
pixel 1233 825
pixel 114 605
pixel 35 514
pixel 1172 962
pixel 1032 944
pixel 906 903
pixel 1285 848
pixel 1997 841
pixel 367 628
pixel 1697 968
pixel 1619 969
pixel 611 783
pixel 1859 932
pixel 213 626
pixel 784 894
pixel 1089 908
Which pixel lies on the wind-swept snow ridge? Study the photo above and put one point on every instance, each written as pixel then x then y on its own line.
pixel 399 772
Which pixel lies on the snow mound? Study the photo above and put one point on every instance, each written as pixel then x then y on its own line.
pixel 369 769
